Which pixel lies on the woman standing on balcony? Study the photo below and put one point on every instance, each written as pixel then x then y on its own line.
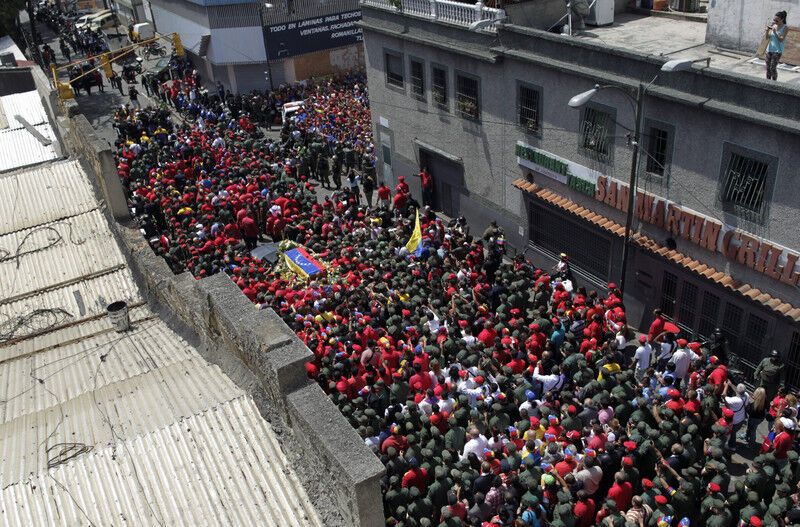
pixel 776 33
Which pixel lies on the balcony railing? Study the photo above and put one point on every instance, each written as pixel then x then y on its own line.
pixel 458 13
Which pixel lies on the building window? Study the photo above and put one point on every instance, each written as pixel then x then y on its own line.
pixel 669 292
pixel 746 182
pixel 686 312
pixel 555 233
pixel 439 87
pixel 394 69
pixel 658 152
pixel 754 339
pixel 596 133
pixel 468 97
pixel 793 362
pixel 528 108
pixel 709 311
pixel 731 323
pixel 417 76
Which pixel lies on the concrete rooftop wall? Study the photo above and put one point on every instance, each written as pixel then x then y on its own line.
pixel 739 24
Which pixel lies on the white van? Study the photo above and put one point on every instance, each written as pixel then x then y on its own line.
pixel 291 108
pixel 143 31
pixel 87 19
pixel 106 21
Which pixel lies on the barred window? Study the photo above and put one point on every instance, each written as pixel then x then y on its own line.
pixel 657 151
pixel 467 97
pixel 754 340
pixel 744 186
pixel 669 293
pixel 528 106
pixel 709 310
pixel 394 69
pixel 595 136
pixel 439 87
pixel 417 75
pixel 686 312
pixel 732 322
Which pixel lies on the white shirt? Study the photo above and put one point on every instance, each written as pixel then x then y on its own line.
pixel 666 350
pixel 738 404
pixel 682 361
pixel 591 478
pixel 476 445
pixel 549 382
pixel 642 356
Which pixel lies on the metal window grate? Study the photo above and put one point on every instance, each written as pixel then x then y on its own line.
pixel 394 70
pixel 439 87
pixel 709 311
pixel 731 324
pixel 467 97
pixel 417 76
pixel 669 290
pixel 688 305
pixel 744 187
pixel 658 141
pixel 595 132
pixel 555 233
pixel 793 362
pixel 754 339
pixel 529 109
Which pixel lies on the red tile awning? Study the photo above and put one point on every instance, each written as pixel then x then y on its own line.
pixel 696 266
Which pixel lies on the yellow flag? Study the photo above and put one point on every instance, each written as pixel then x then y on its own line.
pixel 414 244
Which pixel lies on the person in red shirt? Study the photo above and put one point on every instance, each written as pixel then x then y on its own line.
pixel 416 477
pixel 384 193
pixel 427 186
pixel 657 326
pixel 784 429
pixel 584 510
pixel 621 491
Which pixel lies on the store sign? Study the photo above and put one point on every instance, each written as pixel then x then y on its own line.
pixel 578 177
pixel 776 262
pixel 313 34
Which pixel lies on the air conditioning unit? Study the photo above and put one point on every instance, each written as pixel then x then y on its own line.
pixel 601 13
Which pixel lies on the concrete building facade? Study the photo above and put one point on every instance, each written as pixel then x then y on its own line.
pixel 740 24
pixel 250 45
pixel 715 238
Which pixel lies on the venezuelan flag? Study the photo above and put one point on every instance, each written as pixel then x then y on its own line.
pixel 302 263
pixel 414 244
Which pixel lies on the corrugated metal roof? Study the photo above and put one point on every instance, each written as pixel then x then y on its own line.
pixel 27 105
pixel 20 148
pixel 221 467
pixel 78 300
pixel 65 251
pixel 161 436
pixel 132 404
pixel 45 193
pixel 696 266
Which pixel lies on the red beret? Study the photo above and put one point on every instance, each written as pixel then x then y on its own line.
pixel 535 422
pixel 642 338
pixel 661 499
pixel 714 487
pixel 694 346
pixel 646 483
pixel 672 392
pixel 573 434
pixel 571 409
pixel 629 445
pixel 755 521
pixel 727 412
pixel 479 379
pixel 682 342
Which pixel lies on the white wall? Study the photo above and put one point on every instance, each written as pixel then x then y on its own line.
pixel 237 45
pixel 739 24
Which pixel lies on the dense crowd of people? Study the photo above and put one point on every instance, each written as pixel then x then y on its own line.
pixel 495 393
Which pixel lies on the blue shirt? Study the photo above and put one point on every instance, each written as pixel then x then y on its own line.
pixel 775 45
